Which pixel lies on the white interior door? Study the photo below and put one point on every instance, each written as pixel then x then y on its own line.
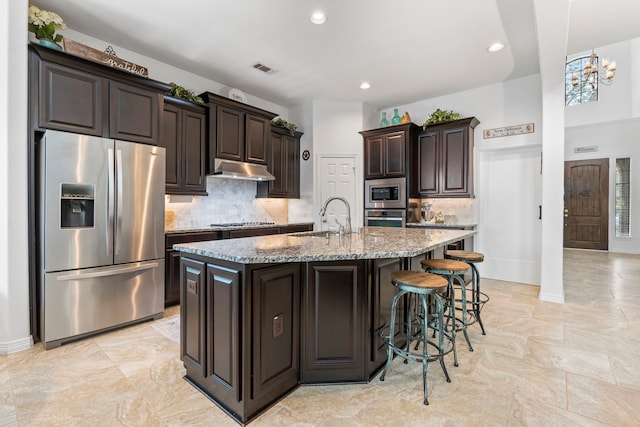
pixel 509 208
pixel 336 177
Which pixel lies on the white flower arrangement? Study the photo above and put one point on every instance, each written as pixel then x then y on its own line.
pixel 44 24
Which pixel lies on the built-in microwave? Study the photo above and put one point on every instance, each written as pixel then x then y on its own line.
pixel 386 193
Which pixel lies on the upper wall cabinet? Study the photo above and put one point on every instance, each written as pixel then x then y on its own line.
pixel 183 134
pixel 75 95
pixel 387 151
pixel 283 161
pixel 237 131
pixel 446 159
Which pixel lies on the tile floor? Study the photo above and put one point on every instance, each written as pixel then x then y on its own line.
pixel 541 364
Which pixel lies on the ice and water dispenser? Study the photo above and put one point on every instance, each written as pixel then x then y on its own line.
pixel 76 205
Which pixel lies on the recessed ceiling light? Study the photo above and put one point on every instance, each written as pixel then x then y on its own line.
pixel 496 47
pixel 318 18
pixel 365 85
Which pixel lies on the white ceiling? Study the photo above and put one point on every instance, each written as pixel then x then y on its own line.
pixel 408 50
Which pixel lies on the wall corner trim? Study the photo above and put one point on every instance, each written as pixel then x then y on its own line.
pixel 557 298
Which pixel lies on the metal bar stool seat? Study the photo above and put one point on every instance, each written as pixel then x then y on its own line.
pixel 423 286
pixel 453 271
pixel 478 298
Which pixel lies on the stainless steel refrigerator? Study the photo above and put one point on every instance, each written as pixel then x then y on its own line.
pixel 101 234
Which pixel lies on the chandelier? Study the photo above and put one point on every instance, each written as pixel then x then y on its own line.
pixel 593 75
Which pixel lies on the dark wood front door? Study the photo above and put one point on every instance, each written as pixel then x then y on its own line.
pixel 586 207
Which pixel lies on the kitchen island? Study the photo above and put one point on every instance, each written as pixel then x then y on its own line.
pixel 261 315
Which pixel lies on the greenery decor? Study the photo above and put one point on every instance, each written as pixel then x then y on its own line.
pixel 45 24
pixel 440 116
pixel 284 124
pixel 182 93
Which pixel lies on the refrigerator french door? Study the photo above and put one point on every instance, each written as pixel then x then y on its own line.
pixel 101 234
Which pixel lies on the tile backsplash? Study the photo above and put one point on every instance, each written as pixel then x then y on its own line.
pixel 231 200
pixel 464 209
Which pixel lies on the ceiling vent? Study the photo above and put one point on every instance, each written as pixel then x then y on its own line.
pixel 262 67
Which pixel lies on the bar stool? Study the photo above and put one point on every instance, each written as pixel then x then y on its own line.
pixel 478 298
pixel 453 271
pixel 421 285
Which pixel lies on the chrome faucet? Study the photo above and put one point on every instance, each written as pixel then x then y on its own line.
pixel 323 211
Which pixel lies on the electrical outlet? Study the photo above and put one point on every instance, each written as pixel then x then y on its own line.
pixel 278 325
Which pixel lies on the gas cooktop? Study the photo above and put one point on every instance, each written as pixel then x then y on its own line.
pixel 242 224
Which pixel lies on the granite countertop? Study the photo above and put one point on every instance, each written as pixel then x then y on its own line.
pixel 195 229
pixel 370 243
pixel 465 226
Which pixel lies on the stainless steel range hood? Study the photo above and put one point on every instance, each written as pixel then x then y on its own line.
pixel 241 170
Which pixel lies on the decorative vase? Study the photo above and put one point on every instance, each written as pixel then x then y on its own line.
pixel 406 118
pixel 395 120
pixel 50 44
pixel 384 122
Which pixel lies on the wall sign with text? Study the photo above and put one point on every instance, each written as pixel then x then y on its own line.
pixel 507 131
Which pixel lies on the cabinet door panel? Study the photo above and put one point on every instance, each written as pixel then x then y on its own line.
pixel 172 277
pixel 333 319
pixel 257 135
pixel 276 322
pixel 192 326
pixel 134 113
pixel 374 157
pixel 429 163
pixel 229 134
pixel 194 151
pixel 454 161
pixel 395 154
pixel 277 186
pixel 72 100
pixel 170 137
pixel 291 160
pixel 223 331
pixel 380 310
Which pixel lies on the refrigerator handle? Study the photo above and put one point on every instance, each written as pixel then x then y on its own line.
pixel 110 201
pixel 111 272
pixel 119 206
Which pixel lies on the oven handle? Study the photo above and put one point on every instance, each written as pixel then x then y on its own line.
pixel 384 218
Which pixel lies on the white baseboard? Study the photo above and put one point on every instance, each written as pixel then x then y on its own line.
pixel 16 345
pixel 557 298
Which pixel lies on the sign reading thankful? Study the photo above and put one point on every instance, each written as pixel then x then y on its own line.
pixel 109 59
pixel 507 131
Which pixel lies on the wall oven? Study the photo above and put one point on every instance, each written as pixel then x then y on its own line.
pixel 387 193
pixel 385 217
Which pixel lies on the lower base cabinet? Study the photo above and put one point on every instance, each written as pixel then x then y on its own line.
pixel 333 323
pixel 243 370
pixel 251 333
pixel 379 310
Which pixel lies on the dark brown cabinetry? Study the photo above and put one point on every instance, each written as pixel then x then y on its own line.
pixel 446 159
pixel 283 161
pixel 388 151
pixel 379 311
pixel 80 96
pixel 237 131
pixel 72 100
pixel 333 302
pixel 276 332
pixel 245 372
pixel 134 113
pixel 172 260
pixel 192 316
pixel 183 134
